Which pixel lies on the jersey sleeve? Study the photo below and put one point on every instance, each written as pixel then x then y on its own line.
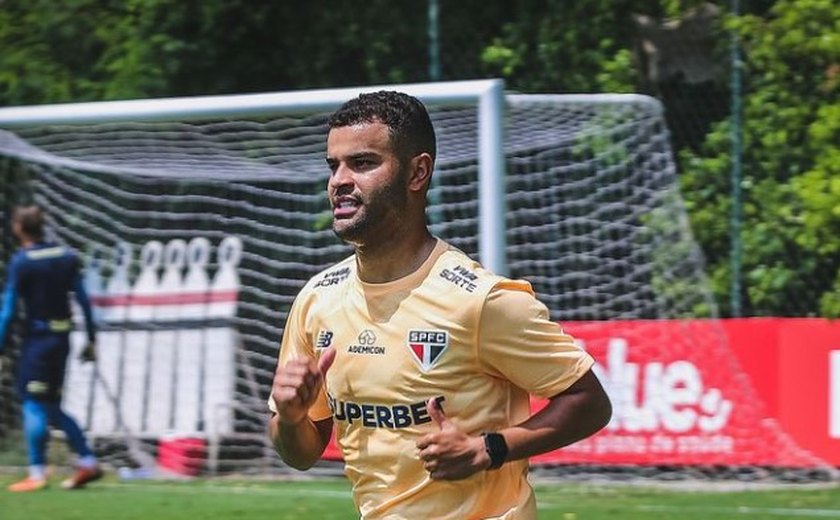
pixel 84 302
pixel 518 342
pixel 296 344
pixel 9 301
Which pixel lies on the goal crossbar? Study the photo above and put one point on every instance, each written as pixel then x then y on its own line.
pixel 488 95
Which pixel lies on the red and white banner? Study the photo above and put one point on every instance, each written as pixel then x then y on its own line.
pixel 730 392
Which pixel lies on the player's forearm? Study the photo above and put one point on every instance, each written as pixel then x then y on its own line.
pixel 7 311
pixel 299 445
pixel 573 415
pixel 87 310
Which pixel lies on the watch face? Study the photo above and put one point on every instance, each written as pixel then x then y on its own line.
pixel 496 448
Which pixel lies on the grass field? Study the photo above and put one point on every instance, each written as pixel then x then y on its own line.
pixel 330 499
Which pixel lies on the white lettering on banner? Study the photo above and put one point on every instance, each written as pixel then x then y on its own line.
pixel 834 394
pixel 661 397
pixel 641 444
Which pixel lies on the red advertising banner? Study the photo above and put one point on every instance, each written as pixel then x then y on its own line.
pixel 809 385
pixel 711 392
pixel 681 396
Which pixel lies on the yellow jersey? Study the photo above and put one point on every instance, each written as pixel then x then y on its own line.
pixel 451 330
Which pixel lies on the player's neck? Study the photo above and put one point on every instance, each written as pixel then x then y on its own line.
pixel 26 242
pixel 391 260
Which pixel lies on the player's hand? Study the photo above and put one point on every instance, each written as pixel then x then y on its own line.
pixel 297 385
pixel 88 353
pixel 450 454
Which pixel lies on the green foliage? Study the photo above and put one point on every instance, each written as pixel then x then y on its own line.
pixel 671 244
pixel 78 50
pixel 791 169
pixel 97 49
pixel 618 74
pixel 47 52
pixel 499 56
pixel 547 48
pixel 818 192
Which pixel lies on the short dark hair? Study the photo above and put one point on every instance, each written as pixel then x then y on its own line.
pixel 409 125
pixel 31 220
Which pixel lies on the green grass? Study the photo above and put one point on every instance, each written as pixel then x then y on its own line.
pixel 330 499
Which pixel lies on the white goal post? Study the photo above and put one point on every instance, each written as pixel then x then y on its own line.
pixel 487 94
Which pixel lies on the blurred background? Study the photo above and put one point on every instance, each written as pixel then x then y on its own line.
pixel 751 98
pixel 783 80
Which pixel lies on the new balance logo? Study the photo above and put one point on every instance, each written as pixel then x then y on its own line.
pixel 324 339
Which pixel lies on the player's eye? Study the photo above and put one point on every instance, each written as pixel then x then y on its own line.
pixel 364 164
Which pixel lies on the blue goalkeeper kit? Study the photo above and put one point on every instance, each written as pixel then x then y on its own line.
pixel 42 276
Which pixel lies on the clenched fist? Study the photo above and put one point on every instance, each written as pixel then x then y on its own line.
pixel 297 385
pixel 449 453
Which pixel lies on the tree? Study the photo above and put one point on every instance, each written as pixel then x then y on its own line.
pixel 560 46
pixel 82 50
pixel 791 136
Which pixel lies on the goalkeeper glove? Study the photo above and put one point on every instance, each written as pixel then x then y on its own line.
pixel 88 353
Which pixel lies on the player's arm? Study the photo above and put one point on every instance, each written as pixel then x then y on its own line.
pixel 84 302
pixel 300 445
pixel 88 353
pixel 570 416
pixel 9 303
pixel 521 344
pixel 298 383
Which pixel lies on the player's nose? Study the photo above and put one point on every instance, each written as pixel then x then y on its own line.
pixel 342 176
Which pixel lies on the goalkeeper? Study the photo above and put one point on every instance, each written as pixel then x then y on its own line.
pixel 420 359
pixel 42 275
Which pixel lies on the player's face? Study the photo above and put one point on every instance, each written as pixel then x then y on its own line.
pixel 367 188
pixel 17 230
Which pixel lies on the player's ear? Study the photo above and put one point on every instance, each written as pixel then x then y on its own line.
pixel 420 172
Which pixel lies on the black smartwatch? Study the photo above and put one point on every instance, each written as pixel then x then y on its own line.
pixel 497 449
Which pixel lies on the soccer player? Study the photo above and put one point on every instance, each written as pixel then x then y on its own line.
pixel 43 274
pixel 420 358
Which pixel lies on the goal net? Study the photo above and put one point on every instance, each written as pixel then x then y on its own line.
pixel 198 231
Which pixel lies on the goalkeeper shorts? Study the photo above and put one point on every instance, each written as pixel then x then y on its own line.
pixel 42 366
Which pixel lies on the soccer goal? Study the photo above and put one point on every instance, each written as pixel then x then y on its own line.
pixel 200 219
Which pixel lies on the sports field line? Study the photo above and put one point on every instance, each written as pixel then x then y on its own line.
pixel 785 512
pixel 232 489
pixel 744 510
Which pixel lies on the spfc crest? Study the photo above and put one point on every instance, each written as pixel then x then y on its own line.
pixel 427 346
